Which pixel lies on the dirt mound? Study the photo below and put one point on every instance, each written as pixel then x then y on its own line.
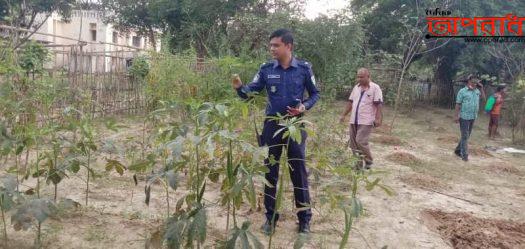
pixel 423 181
pixel 463 230
pixel 421 122
pixel 477 151
pixel 503 168
pixel 403 158
pixel 386 139
pixel 448 139
pixel 383 129
pixel 439 129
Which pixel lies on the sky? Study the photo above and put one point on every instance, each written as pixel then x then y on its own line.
pixel 315 7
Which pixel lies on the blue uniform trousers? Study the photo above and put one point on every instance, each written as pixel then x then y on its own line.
pixel 298 173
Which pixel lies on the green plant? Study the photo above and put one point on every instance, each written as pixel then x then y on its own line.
pixel 33 57
pixel 139 68
pixel 30 211
pixel 243 236
pixel 8 195
pixel 87 147
pixel 516 108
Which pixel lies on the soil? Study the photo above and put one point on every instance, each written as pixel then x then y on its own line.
pixel 448 139
pixel 463 230
pixel 503 168
pixel 403 158
pixel 423 181
pixel 481 204
pixel 387 140
pixel 477 151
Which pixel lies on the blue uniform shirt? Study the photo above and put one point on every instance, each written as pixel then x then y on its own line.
pixel 283 86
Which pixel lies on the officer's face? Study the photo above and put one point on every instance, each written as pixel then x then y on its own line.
pixel 278 49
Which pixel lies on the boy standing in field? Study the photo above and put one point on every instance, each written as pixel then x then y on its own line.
pixel 496 111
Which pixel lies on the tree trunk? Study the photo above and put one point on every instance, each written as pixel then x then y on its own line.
pixel 201 54
pixel 152 39
pixel 445 85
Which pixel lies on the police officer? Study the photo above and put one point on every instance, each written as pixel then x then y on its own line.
pixel 285 79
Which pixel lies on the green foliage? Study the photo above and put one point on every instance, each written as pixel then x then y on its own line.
pixel 139 68
pixel 23 14
pixel 33 210
pixel 243 238
pixel 515 109
pixel 33 57
pixel 141 16
pixel 170 78
pixel 334 46
pixel 116 165
pixel 186 228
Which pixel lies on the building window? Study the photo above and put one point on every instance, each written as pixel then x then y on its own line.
pixel 93 31
pixel 136 41
pixel 115 37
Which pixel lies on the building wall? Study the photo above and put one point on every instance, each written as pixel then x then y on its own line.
pixel 90 21
pixel 104 32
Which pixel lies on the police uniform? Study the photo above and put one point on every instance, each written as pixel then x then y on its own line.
pixel 285 87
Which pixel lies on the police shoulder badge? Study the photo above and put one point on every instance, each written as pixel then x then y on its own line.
pixel 313 80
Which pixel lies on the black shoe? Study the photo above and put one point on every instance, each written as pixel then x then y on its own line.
pixel 464 159
pixel 268 228
pixel 457 153
pixel 368 165
pixel 304 228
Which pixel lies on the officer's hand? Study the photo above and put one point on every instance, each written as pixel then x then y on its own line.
pixel 296 111
pixel 236 81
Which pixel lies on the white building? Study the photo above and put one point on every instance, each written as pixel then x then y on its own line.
pixel 96 36
pixel 88 25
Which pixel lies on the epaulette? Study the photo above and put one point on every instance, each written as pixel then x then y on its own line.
pixel 267 64
pixel 304 64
